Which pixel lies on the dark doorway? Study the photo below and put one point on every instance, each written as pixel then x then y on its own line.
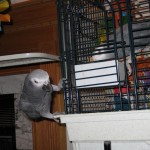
pixel 7 122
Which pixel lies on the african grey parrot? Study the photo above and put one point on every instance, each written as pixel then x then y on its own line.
pixel 141 35
pixel 35 100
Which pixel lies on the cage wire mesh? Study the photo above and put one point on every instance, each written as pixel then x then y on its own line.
pixel 105 53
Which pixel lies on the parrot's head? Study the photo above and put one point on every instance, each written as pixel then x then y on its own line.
pixel 38 80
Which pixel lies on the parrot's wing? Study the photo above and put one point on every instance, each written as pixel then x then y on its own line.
pixel 29 110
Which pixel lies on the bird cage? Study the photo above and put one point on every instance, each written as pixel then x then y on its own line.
pixel 105 54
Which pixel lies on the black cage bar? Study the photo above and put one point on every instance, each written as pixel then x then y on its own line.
pixel 105 54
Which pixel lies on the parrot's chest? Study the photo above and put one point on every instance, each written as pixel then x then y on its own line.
pixel 43 104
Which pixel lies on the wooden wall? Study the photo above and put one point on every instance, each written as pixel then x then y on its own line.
pixel 34 29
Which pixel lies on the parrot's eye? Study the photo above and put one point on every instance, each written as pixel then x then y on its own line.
pixel 35 81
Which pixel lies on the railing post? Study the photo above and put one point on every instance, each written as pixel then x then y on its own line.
pixel 107 145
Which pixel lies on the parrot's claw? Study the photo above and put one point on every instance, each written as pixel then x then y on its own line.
pixel 60 84
pixel 56 116
pixel 57 120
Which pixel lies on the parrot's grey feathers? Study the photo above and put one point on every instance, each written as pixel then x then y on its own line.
pixel 35 100
pixel 139 41
pixel 140 30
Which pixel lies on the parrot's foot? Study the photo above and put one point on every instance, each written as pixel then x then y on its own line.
pixel 59 86
pixel 57 120
pixel 56 116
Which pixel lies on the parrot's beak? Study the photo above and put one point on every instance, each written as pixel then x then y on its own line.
pixel 47 87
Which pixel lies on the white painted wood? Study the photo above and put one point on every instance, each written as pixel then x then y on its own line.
pixel 26 59
pixel 88 145
pixel 106 116
pixel 114 126
pixel 114 130
pixel 114 145
pixel 127 130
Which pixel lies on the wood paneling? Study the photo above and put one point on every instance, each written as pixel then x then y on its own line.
pixel 53 133
pixel 17 70
pixel 35 29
